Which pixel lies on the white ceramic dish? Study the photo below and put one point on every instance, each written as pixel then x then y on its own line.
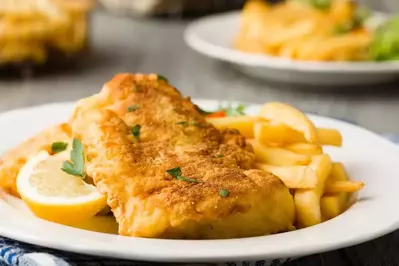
pixel 213 36
pixel 366 156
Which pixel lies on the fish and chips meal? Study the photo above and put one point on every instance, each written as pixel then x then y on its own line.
pixel 141 154
pixel 316 30
pixel 33 29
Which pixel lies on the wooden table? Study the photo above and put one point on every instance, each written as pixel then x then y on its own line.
pixel 126 45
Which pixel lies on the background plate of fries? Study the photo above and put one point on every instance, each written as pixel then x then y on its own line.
pixel 214 35
pixel 344 180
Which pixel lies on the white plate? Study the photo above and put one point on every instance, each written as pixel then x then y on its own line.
pixel 367 157
pixel 213 36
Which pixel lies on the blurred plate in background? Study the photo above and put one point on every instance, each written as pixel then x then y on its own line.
pixel 213 36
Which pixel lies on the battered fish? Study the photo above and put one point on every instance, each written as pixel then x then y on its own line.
pixel 139 132
pixel 12 161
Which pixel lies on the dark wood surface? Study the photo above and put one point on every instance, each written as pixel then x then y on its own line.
pixel 126 45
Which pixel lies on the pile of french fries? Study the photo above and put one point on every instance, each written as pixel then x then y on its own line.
pixel 287 144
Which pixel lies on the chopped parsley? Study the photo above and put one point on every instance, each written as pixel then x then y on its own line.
pixel 58 146
pixel 176 172
pixel 77 163
pixel 133 108
pixel 220 155
pixel 358 20
pixel 204 112
pixel 318 4
pixel 136 131
pixel 136 88
pixel 224 193
pixel 160 77
pixel 239 110
pixel 233 110
pixel 182 178
pixel 321 4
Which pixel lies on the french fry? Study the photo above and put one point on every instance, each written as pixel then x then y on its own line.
pixel 277 156
pixel 307 201
pixel 244 124
pixel 275 133
pixel 343 186
pixel 338 173
pixel 292 176
pixel 334 204
pixel 290 116
pixel 304 148
pixel 328 136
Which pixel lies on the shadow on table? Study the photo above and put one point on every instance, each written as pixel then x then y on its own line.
pixel 77 66
pixel 375 90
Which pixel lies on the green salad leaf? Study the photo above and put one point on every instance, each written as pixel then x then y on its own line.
pixel 385 43
pixel 359 18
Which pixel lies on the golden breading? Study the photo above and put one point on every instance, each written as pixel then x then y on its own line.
pixel 131 170
pixel 12 161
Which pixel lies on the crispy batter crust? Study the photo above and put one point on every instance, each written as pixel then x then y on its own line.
pixel 148 202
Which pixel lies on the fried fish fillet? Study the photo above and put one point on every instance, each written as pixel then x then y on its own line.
pixel 131 168
pixel 12 161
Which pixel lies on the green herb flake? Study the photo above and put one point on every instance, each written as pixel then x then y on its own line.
pixel 136 88
pixel 176 172
pixel 133 108
pixel 224 193
pixel 358 20
pixel 233 110
pixel 136 131
pixel 182 178
pixel 220 155
pixel 204 112
pixel 160 77
pixel 77 163
pixel 182 123
pixel 58 146
pixel 321 4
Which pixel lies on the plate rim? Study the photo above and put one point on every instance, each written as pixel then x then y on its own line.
pixel 231 55
pixel 18 229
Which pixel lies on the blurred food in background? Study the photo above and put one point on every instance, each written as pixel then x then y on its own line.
pixel 316 30
pixel 35 31
pixel 170 7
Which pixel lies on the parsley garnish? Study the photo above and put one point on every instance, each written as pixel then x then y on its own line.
pixel 136 88
pixel 239 110
pixel 160 77
pixel 220 155
pixel 232 111
pixel 358 20
pixel 321 4
pixel 224 193
pixel 77 163
pixel 176 172
pixel 133 108
pixel 59 146
pixel 204 112
pixel 190 123
pixel 136 131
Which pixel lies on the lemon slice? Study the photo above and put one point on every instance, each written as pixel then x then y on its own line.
pixel 54 195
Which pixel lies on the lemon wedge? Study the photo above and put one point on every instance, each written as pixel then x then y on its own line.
pixel 54 195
